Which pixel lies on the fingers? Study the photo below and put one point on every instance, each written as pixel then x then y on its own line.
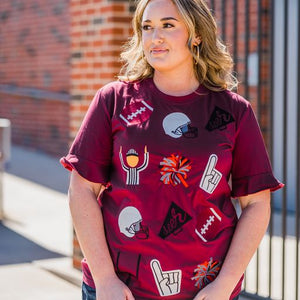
pixel 156 268
pixel 171 278
pixel 215 179
pixel 211 176
pixel 176 277
pixel 211 164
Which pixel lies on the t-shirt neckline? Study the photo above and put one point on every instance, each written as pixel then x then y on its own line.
pixel 200 91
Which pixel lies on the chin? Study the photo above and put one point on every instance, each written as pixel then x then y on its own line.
pixel 161 67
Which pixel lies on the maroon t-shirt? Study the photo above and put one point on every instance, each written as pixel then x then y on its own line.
pixel 171 165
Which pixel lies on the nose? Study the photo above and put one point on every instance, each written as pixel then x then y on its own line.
pixel 157 35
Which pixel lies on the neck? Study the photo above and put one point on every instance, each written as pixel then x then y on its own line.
pixel 175 85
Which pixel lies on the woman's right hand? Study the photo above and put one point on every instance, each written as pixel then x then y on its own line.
pixel 113 289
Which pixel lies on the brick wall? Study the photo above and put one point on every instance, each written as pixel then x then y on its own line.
pixel 34 49
pixel 39 120
pixel 35 61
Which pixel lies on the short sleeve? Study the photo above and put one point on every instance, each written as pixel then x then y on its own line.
pixel 90 153
pixel 251 168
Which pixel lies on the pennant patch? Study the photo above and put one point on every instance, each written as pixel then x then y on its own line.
pixel 219 119
pixel 174 221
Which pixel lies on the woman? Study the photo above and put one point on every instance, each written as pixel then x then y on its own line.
pixel 163 151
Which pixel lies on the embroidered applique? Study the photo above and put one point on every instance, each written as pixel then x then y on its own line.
pixel 136 113
pixel 130 223
pixel 174 221
pixel 168 282
pixel 174 170
pixel 128 262
pixel 219 119
pixel 211 176
pixel 178 124
pixel 206 273
pixel 208 224
pixel 132 169
pixel 127 265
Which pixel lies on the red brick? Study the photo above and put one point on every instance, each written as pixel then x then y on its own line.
pixel 112 31
pixel 91 11
pixel 112 8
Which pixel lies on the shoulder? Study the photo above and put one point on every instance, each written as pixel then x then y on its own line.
pixel 232 102
pixel 112 92
pixel 114 95
pixel 116 87
pixel 120 91
pixel 112 88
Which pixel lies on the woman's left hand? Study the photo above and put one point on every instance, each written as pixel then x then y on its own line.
pixel 213 291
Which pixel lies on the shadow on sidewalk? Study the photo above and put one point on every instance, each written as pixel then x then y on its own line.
pixel 38 167
pixel 15 249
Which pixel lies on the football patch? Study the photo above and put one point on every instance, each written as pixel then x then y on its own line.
pixel 208 224
pixel 136 113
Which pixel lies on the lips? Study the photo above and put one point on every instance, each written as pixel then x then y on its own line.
pixel 158 51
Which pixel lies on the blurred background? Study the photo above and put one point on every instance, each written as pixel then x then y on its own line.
pixel 54 56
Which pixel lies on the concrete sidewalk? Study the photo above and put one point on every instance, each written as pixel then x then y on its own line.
pixel 36 233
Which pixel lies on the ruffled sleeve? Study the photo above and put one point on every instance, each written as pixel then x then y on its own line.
pixel 90 153
pixel 251 168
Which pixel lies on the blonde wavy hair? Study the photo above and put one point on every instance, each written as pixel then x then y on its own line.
pixel 212 62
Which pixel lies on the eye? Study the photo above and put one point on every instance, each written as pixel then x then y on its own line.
pixel 146 27
pixel 168 25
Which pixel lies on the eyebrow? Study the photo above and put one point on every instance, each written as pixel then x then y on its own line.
pixel 163 19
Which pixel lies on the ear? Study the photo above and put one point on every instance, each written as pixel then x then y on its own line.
pixel 197 41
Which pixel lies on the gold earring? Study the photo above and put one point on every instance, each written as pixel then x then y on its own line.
pixel 197 53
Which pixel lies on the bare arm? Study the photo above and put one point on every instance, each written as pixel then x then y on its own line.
pixel 89 227
pixel 250 230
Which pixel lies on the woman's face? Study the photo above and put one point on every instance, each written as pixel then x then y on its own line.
pixel 164 37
